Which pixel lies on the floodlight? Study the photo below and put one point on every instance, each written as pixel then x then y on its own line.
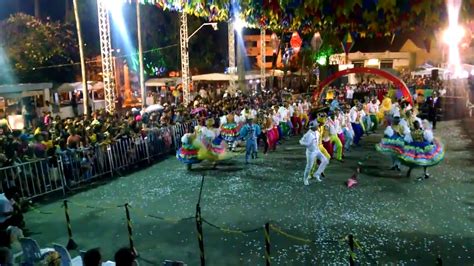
pixel 239 24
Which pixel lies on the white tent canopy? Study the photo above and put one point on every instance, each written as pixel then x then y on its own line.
pixel 160 82
pixel 23 90
pixel 227 77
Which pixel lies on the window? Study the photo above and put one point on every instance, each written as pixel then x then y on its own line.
pixel 386 64
pixel 358 63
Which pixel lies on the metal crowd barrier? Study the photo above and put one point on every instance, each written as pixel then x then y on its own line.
pixel 33 178
pixel 75 167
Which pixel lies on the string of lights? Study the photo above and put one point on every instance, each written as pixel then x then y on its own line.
pixel 95 61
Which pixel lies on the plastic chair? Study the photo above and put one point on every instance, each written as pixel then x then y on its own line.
pixel 66 257
pixel 31 251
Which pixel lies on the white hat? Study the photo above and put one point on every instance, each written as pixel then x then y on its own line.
pixel 313 124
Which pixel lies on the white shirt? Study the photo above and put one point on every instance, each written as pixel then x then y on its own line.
pixel 311 141
pixel 373 108
pixel 5 206
pixel 353 115
pixel 349 93
pixel 332 126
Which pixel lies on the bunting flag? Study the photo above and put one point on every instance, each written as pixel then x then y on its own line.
pixel 347 43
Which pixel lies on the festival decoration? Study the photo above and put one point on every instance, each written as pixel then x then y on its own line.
pixel 376 16
pixel 275 42
pixel 296 42
pixel 316 41
pixel 347 43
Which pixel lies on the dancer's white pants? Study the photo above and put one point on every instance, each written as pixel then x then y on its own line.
pixel 311 157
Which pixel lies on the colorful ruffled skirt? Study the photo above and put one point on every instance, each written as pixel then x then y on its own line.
pixel 422 153
pixel 230 132
pixel 188 154
pixel 214 151
pixel 391 145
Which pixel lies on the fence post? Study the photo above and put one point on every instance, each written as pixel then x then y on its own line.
pixel 266 231
pixel 129 228
pixel 147 150
pixel 199 226
pixel 351 250
pixel 70 244
pixel 61 173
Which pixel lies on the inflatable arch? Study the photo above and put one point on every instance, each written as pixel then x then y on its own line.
pixel 395 80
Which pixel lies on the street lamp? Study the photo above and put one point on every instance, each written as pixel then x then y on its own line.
pixel 213 24
pixel 184 44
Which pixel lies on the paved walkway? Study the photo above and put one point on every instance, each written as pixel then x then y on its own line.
pixel 396 219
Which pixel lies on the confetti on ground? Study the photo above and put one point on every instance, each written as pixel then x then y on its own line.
pixel 395 219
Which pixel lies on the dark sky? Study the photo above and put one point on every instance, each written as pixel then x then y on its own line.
pixel 55 9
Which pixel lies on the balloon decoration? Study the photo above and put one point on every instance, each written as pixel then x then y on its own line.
pixel 296 42
pixel 316 41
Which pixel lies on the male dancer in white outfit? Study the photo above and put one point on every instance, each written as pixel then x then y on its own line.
pixel 311 141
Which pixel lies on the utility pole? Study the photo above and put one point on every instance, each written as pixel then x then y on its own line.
pixel 37 9
pixel 85 91
pixel 140 55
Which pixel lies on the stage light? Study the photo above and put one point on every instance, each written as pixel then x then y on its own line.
pixel 239 24
pixel 453 36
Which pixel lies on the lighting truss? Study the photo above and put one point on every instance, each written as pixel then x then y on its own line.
pixel 184 44
pixel 263 55
pixel 107 59
pixel 231 44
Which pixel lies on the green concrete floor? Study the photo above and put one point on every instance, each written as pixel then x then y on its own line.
pixel 397 220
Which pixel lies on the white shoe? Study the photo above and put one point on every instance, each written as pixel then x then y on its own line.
pixel 318 179
pixel 306 182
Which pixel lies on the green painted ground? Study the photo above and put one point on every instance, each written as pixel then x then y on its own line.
pixel 396 220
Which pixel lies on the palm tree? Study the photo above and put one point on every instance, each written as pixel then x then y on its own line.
pixel 85 91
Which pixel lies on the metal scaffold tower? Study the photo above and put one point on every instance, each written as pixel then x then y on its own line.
pixel 184 40
pixel 231 44
pixel 107 59
pixel 263 49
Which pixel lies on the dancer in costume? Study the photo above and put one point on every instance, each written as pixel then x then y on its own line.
pixel 424 150
pixel 249 132
pixel 188 153
pixel 212 146
pixel 334 130
pixel 311 141
pixel 393 142
pixel 347 129
pixel 373 109
pixel 384 111
pixel 230 131
pixel 355 119
pixel 321 129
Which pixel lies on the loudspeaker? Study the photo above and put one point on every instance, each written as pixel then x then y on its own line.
pixel 434 74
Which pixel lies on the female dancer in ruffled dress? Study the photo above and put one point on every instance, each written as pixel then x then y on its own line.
pixel 188 153
pixel 230 131
pixel 393 142
pixel 212 146
pixel 423 151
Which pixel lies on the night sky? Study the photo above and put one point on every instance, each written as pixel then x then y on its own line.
pixel 55 9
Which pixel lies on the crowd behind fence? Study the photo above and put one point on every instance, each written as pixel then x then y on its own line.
pixel 70 168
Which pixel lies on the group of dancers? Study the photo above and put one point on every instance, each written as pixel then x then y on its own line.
pixel 331 133
pixel 213 140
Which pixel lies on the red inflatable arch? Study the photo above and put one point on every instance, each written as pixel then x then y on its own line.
pixel 395 80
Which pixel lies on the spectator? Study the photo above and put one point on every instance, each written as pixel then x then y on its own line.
pixel 125 257
pixel 6 256
pixel 92 257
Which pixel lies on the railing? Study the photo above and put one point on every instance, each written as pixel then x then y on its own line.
pixel 74 167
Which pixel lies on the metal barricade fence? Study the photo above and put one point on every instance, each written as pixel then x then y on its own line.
pixel 81 165
pixel 32 178
pixel 74 167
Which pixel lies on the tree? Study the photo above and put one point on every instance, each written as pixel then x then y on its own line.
pixel 33 47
